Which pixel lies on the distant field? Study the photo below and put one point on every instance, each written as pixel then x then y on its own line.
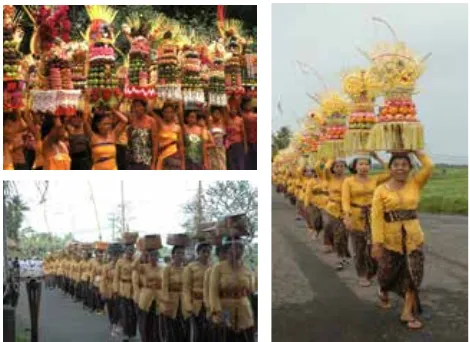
pixel 446 192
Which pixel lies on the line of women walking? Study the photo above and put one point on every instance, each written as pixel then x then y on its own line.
pixel 378 212
pixel 197 301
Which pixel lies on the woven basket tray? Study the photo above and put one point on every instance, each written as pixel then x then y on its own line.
pixel 233 225
pixel 177 240
pixel 151 242
pixel 129 237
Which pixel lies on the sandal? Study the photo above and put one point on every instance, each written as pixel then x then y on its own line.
pixel 384 300
pixel 364 282
pixel 339 266
pixel 412 323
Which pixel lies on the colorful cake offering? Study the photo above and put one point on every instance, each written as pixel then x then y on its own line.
pixel 193 91
pixel 217 96
pixel 102 78
pixel 169 87
pixel 136 31
pixel 78 59
pixel 361 88
pixel 334 108
pixel 13 70
pixel 250 68
pixel 233 64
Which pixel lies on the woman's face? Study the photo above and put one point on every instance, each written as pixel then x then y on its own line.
pixel 153 257
pixel 129 252
pixel 192 118
pixel 362 167
pixel 138 108
pixel 217 115
pixel 205 253
pixel 168 114
pixel 105 126
pixel 76 121
pixel 338 168
pixel 248 107
pixel 400 169
pixel 201 122
pixel 178 256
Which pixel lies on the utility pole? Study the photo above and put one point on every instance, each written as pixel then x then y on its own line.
pixel 199 205
pixel 123 208
pixel 113 218
pixel 100 237
pixel 5 237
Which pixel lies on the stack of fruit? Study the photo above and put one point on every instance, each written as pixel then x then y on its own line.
pixel 102 78
pixel 168 73
pixel 13 73
pixel 78 62
pixel 66 78
pixel 336 127
pixel 193 92
pixel 138 76
pixel 250 71
pixel 233 76
pixel 138 61
pixel 216 88
pixel 398 109
pixel 12 58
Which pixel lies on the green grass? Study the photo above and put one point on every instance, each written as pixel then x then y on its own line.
pixel 446 192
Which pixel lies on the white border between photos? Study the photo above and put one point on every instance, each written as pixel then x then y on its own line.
pixel 261 177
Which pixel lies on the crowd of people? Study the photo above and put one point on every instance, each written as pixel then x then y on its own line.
pixel 179 301
pixel 142 139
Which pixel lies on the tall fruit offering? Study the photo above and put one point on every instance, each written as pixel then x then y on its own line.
pixel 138 85
pixel 334 108
pixel 250 68
pixel 169 87
pixel 217 96
pixel 13 70
pixel 398 128
pixel 102 78
pixel 362 89
pixel 231 32
pixel 193 91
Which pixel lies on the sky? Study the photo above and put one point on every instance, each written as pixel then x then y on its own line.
pixel 327 36
pixel 156 206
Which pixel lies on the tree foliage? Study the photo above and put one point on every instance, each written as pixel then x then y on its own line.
pixel 226 198
pixel 280 140
pixel 35 244
pixel 14 208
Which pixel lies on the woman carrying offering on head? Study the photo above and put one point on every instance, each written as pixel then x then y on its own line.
pixel 356 199
pixel 397 237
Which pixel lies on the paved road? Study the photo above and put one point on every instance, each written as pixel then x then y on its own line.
pixel 314 303
pixel 62 320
